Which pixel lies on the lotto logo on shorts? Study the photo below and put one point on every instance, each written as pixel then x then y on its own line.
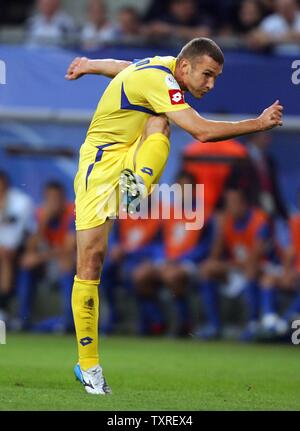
pixel 176 97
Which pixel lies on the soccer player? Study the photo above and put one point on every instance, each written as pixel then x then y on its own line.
pixel 128 144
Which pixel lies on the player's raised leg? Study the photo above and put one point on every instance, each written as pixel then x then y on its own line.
pixel 145 162
pixel 91 250
pixel 152 154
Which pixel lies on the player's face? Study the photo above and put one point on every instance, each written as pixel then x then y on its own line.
pixel 200 75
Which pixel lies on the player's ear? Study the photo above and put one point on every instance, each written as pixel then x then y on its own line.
pixel 184 64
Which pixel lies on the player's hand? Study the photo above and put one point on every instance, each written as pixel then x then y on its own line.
pixel 271 116
pixel 77 68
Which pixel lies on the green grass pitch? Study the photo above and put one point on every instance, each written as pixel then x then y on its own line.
pixel 36 373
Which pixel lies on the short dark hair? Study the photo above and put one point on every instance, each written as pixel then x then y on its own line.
pixel 202 46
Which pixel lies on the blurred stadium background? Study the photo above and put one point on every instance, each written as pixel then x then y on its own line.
pixel 43 121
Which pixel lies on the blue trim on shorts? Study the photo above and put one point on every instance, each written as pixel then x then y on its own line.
pixel 98 158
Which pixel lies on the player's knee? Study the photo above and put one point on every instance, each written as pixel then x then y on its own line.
pixel 157 124
pixel 90 265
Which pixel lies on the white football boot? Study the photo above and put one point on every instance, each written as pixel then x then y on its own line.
pixel 93 380
pixel 133 190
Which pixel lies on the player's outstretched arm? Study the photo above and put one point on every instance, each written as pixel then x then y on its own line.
pixel 209 131
pixel 84 66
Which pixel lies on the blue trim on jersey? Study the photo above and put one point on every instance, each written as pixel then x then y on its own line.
pixel 141 62
pixel 97 159
pixel 125 104
pixel 163 68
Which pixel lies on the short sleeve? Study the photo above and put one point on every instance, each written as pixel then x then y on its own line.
pixel 162 91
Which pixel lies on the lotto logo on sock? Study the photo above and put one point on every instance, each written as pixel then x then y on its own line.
pixel 86 340
pixel 176 97
pixel 2 332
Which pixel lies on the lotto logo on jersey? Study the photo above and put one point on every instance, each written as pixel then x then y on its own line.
pixel 176 97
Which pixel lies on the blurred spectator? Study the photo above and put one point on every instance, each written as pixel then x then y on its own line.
pixel 249 16
pixel 49 254
pixel 264 181
pixel 282 278
pixel 156 10
pixel 216 165
pixel 98 30
pixel 220 10
pixel 16 220
pixel 14 12
pixel 280 31
pixel 241 245
pixel 181 23
pixel 184 249
pixel 129 25
pixel 223 12
pixel 50 25
pixel 267 6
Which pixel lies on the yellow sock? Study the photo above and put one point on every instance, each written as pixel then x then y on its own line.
pixel 151 158
pixel 85 306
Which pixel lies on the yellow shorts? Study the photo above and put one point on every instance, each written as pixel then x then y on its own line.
pixel 96 183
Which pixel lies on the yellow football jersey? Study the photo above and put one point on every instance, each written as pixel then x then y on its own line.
pixel 145 88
